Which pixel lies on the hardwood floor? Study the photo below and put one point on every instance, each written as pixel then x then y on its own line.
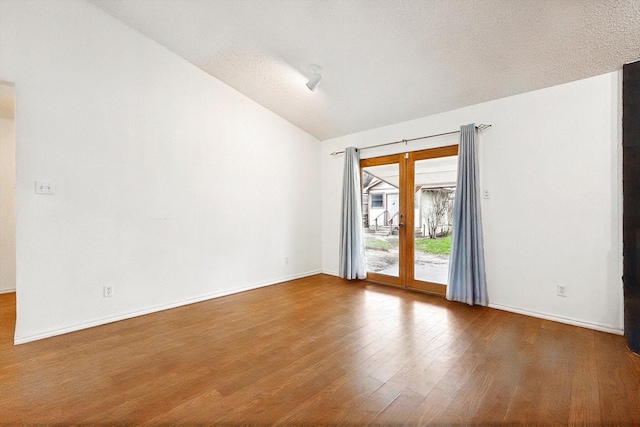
pixel 320 350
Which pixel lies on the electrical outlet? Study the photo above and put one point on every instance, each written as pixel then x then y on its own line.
pixel 43 187
pixel 286 260
pixel 108 291
pixel 485 194
pixel 562 290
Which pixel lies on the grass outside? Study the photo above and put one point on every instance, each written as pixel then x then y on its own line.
pixel 434 246
pixel 424 244
pixel 381 245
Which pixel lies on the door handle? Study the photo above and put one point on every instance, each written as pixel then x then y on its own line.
pixel 401 224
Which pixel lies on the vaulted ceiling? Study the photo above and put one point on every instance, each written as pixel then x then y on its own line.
pixel 387 61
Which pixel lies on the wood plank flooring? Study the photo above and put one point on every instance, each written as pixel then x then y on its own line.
pixel 320 350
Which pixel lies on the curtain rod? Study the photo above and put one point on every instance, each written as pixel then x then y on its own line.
pixel 480 127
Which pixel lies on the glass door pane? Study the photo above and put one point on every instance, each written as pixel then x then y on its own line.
pixel 407 203
pixel 381 215
pixel 434 192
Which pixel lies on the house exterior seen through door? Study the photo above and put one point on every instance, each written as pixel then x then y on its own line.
pixel 407 213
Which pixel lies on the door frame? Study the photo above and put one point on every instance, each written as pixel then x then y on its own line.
pixel 387 160
pixel 406 234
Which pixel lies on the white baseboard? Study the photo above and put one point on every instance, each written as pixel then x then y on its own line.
pixel 582 324
pixel 111 319
pixel 331 273
pixel 7 291
pixel 539 315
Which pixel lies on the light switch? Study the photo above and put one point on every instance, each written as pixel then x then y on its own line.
pixel 44 187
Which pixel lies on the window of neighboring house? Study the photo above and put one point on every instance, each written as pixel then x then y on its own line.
pixel 377 200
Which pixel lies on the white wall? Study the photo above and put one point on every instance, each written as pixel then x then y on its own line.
pixel 159 169
pixel 552 165
pixel 7 205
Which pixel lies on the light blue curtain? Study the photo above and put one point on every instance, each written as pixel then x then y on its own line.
pixel 467 282
pixel 353 264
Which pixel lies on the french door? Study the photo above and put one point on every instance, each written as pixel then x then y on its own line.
pixel 407 214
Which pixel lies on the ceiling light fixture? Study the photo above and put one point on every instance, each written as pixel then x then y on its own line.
pixel 314 81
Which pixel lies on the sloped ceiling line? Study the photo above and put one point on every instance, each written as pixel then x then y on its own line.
pixel 388 61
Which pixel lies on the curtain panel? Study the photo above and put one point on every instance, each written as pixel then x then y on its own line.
pixel 352 262
pixel 467 281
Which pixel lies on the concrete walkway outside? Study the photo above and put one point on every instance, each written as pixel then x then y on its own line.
pixel 426 272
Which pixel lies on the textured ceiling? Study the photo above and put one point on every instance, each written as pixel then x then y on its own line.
pixel 387 61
